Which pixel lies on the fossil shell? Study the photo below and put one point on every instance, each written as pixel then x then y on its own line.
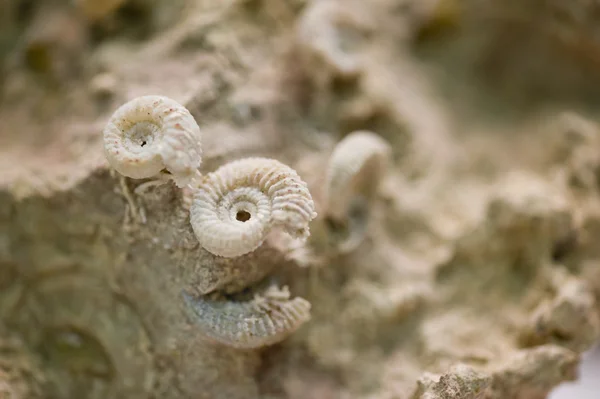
pixel 152 133
pixel 264 320
pixel 236 206
pixel 355 169
pixel 326 33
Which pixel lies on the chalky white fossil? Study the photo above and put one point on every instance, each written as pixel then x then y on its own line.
pixel 236 206
pixel 232 211
pixel 150 134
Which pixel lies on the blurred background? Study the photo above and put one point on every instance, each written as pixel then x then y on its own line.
pixel 588 386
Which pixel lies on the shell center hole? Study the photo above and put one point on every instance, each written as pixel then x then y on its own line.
pixel 242 215
pixel 143 143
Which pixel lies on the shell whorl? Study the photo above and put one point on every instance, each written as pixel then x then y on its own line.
pixel 151 133
pixel 265 320
pixel 236 206
pixel 320 34
pixel 355 168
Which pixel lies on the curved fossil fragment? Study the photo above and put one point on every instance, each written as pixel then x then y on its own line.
pixel 150 134
pixel 326 33
pixel 265 320
pixel 355 169
pixel 236 206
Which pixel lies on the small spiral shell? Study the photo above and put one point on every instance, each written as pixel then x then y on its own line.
pixel 151 133
pixel 355 169
pixel 236 206
pixel 265 320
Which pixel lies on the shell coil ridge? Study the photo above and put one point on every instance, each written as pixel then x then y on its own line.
pixel 150 134
pixel 265 320
pixel 320 34
pixel 235 207
pixel 355 169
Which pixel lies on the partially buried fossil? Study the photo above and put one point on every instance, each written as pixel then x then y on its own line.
pixel 265 320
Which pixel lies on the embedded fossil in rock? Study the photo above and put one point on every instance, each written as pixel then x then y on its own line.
pixel 326 34
pixel 236 206
pixel 379 315
pixel 329 37
pixel 150 134
pixel 232 211
pixel 265 320
pixel 356 167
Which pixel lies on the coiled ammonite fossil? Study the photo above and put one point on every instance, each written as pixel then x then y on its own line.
pixel 265 320
pixel 236 206
pixel 150 134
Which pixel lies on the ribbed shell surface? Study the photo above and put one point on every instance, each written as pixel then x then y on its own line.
pixel 271 193
pixel 152 133
pixel 360 159
pixel 263 321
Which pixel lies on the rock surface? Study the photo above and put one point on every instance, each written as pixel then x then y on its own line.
pixel 478 274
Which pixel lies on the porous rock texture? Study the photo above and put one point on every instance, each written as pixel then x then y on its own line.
pixel 479 273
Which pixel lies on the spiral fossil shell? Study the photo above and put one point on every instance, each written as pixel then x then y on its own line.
pixel 265 320
pixel 236 206
pixel 151 133
pixel 323 35
pixel 355 169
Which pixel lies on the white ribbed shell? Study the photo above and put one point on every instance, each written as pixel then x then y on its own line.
pixel 355 168
pixel 270 192
pixel 265 320
pixel 152 133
